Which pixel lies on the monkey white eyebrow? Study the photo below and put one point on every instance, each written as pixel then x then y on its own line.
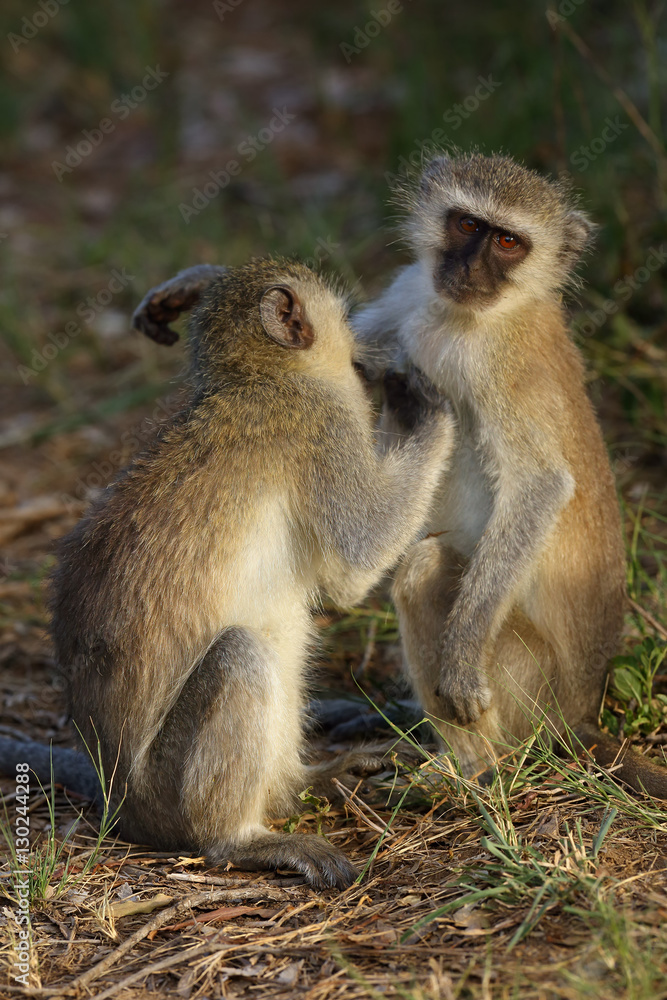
pixel 496 216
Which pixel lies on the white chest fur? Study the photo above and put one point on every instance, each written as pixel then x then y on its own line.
pixel 445 352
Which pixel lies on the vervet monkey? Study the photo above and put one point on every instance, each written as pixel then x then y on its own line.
pixel 510 612
pixel 181 601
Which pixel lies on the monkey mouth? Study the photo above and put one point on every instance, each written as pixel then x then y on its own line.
pixel 464 293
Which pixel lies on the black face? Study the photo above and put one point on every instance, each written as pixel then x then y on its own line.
pixel 474 266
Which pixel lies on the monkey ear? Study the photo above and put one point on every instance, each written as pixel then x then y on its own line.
pixel 284 318
pixel 579 232
pixel 433 169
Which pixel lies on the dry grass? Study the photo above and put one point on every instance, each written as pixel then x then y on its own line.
pixel 439 913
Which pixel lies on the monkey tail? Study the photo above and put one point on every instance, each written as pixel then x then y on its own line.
pixel 65 767
pixel 640 773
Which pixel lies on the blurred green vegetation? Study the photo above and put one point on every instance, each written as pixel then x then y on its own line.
pixel 547 104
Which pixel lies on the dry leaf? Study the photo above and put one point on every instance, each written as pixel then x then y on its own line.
pixel 140 906
pixel 549 825
pixel 125 891
pixel 290 973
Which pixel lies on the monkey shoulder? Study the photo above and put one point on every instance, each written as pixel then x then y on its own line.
pixel 391 310
pixel 336 434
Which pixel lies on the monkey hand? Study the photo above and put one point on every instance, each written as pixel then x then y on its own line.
pixel 165 303
pixel 157 309
pixel 412 398
pixel 463 690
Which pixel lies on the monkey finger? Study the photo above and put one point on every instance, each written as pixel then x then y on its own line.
pixel 395 382
pixel 161 333
pixel 355 764
pixel 405 405
pixel 152 318
pixel 360 763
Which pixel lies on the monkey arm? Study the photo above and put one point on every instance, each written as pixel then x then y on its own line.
pixel 366 516
pixel 165 303
pixel 377 325
pixel 524 514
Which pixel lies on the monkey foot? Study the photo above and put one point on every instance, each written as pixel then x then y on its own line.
pixel 322 864
pixel 348 768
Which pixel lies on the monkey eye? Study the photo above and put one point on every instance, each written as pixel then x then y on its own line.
pixel 507 241
pixel 469 225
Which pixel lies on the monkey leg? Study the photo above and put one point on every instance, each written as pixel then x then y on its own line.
pixel 424 591
pixel 165 303
pixel 537 690
pixel 520 666
pixel 232 742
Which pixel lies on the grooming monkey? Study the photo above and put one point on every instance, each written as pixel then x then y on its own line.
pixel 511 611
pixel 181 601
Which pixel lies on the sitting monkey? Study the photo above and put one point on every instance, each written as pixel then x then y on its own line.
pixel 181 600
pixel 510 613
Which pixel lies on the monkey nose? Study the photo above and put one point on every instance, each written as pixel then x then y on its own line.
pixel 473 267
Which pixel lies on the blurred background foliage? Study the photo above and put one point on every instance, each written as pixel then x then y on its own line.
pixel 577 88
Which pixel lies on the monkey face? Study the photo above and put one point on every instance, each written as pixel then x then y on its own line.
pixel 476 260
pixel 492 233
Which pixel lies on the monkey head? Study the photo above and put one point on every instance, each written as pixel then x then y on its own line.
pixel 491 231
pixel 271 315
